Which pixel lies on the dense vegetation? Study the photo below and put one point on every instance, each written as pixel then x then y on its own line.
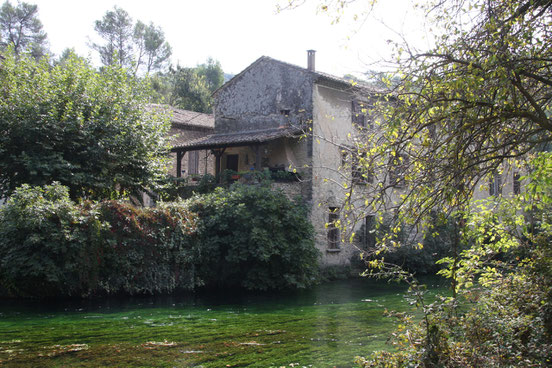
pixel 256 238
pixel 86 129
pixel 248 237
pixel 502 314
pixel 51 246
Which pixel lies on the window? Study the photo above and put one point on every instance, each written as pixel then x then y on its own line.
pixel 369 235
pixel 495 186
pixel 333 229
pixel 432 131
pixel 517 183
pixel 193 162
pixel 359 172
pixel 358 114
pixel 397 170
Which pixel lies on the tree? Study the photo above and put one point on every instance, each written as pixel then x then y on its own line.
pixel 21 29
pixel 189 88
pixel 88 130
pixel 213 74
pixel 116 29
pixel 476 103
pixel 134 47
pixel 153 52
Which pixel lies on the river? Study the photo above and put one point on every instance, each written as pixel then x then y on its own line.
pixel 326 326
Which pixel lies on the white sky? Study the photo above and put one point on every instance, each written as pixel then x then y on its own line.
pixel 237 32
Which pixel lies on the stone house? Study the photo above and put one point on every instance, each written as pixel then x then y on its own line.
pixel 260 117
pixel 187 126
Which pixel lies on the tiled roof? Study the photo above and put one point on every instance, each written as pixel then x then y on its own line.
pixel 238 139
pixel 186 118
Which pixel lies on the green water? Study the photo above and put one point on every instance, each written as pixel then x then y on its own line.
pixel 323 327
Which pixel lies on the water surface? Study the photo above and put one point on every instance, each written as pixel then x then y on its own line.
pixel 326 326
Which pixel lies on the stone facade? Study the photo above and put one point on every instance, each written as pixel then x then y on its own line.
pixel 260 117
pixel 280 117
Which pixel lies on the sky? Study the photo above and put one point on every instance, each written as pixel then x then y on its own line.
pixel 238 32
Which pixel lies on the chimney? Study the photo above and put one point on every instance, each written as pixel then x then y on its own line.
pixel 310 60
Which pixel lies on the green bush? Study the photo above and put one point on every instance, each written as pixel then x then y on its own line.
pixel 147 250
pixel 50 246
pixel 255 238
pixel 45 243
pixel 501 312
pixel 245 236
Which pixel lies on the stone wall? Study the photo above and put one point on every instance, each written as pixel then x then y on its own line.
pixel 332 128
pixel 268 94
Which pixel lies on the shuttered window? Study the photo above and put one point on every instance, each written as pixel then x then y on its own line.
pixel 333 229
pixel 193 162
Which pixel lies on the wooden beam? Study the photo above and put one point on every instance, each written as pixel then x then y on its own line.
pixel 258 157
pixel 217 164
pixel 179 155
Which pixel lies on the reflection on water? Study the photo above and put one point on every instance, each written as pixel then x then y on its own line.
pixel 324 326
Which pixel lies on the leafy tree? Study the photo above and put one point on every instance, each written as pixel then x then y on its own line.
pixel 69 123
pixel 189 88
pixel 458 112
pixel 152 49
pixel 213 74
pixel 116 29
pixel 21 29
pixel 475 103
pixel 135 47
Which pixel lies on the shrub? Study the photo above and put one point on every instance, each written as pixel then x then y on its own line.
pixel 254 237
pixel 51 246
pixel 147 250
pixel 45 243
pixel 246 236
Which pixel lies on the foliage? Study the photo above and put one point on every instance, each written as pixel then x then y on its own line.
pixel 255 238
pixel 213 74
pixel 152 49
pixel 21 29
pixel 147 250
pixel 51 246
pixel 416 258
pixel 45 244
pixel 116 29
pixel 133 47
pixel 69 123
pixel 504 287
pixel 189 88
pixel 473 104
pixel 245 236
